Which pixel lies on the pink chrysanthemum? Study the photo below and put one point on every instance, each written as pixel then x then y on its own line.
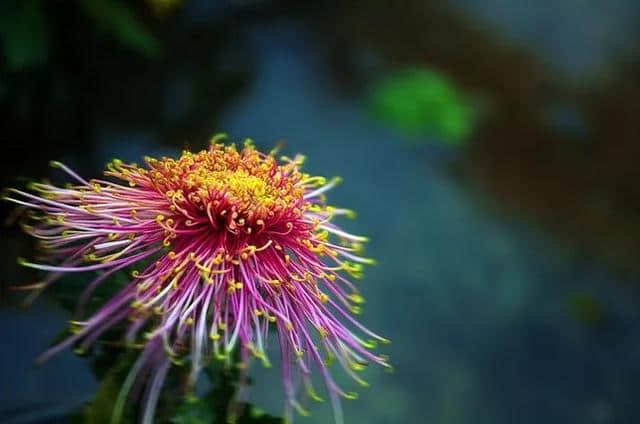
pixel 234 242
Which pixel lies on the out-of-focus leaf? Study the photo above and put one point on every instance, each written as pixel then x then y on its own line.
pixel 100 409
pixel 206 411
pixel 213 406
pixel 194 411
pixel 24 33
pixel 110 363
pixel 120 20
pixel 423 102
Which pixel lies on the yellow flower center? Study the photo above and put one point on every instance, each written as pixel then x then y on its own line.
pixel 240 187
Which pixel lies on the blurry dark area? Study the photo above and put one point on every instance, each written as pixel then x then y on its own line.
pixel 490 149
pixel 558 148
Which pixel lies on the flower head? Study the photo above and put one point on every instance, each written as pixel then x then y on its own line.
pixel 225 243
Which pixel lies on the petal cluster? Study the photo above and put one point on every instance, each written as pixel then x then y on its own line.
pixel 224 246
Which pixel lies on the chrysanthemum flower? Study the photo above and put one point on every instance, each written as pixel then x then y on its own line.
pixel 225 244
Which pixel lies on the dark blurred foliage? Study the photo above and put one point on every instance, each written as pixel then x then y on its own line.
pixel 218 405
pixel 214 401
pixel 557 150
pixel 112 62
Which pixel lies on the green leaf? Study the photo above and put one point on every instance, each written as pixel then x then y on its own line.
pixel 423 102
pixel 213 406
pixel 100 409
pixel 120 20
pixel 194 412
pixel 25 34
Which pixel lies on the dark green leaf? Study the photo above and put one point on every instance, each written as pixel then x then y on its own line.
pixel 120 20
pixel 215 405
pixel 101 408
pixel 24 33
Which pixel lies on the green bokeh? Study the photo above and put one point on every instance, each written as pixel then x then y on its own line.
pixel 422 102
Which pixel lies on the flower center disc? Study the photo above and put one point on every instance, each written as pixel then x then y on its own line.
pixel 244 190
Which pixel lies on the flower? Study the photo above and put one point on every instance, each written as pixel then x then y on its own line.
pixel 229 243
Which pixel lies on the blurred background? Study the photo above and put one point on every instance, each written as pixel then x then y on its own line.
pixel 490 148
